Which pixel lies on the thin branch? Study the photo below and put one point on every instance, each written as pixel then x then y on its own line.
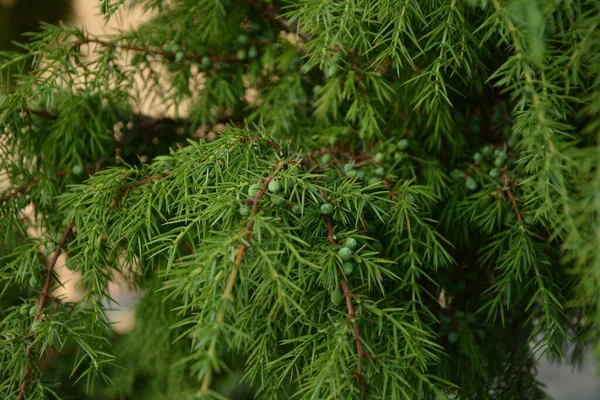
pixel 351 314
pixel 23 189
pixel 270 143
pixel 358 160
pixel 13 340
pixel 41 303
pixel 511 196
pixel 241 249
pixel 19 191
pixel 135 184
pixel 160 52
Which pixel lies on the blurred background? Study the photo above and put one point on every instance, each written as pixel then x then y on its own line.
pixel 19 16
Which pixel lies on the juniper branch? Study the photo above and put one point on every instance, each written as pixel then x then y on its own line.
pixel 41 303
pixel 133 185
pixel 24 188
pixel 241 249
pixel 160 52
pixel 351 313
pixel 507 187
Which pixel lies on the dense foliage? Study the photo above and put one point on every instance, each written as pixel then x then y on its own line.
pixel 404 203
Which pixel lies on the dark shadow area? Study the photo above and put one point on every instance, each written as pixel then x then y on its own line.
pixel 20 16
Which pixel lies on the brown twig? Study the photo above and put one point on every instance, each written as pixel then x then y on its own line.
pixel 511 196
pixel 241 249
pixel 239 257
pixel 23 189
pixel 167 54
pixel 42 301
pixel 13 340
pixel 270 143
pixel 135 184
pixel 470 169
pixel 19 190
pixel 351 314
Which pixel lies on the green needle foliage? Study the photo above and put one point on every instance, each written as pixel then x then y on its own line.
pixel 404 203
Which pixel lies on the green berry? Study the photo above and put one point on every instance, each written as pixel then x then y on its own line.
pixel 390 148
pixel 331 71
pixel 24 310
pixel 478 157
pixel 36 325
pixel 180 56
pixel 379 157
pixel 274 186
pixel 244 211
pixel 347 268
pixel 499 162
pixel 325 159
pixel 529 220
pixel 495 173
pixel 456 174
pixel 373 181
pixel 352 174
pixel 398 155
pixel 345 253
pixel 470 183
pixel 254 189
pixel 243 39
pixel 453 337
pixel 296 208
pixel 278 201
pixel 487 150
pixel 348 167
pixel 337 297
pixel 327 208
pixel 171 47
pixel 32 311
pixel 380 171
pixel 77 170
pixel 317 89
pixel 241 54
pixel 351 243
pixel 253 52
pixel 33 281
pixel 206 61
pixel 403 144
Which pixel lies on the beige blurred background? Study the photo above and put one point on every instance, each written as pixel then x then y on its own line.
pixel 85 13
